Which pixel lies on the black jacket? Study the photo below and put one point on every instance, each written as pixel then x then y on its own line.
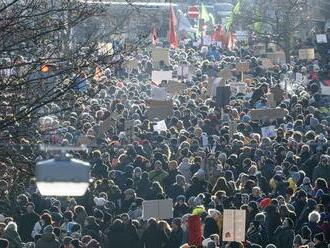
pixel 25 226
pixel 283 237
pixel 153 237
pixel 175 239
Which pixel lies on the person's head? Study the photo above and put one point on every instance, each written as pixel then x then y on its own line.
pixel 297 241
pixel 4 243
pixel 46 219
pixel 260 217
pixel 11 226
pixel 318 238
pixel 158 165
pixel 314 217
pixel 30 208
pixel 180 180
pixel 287 223
pixel 125 219
pixel 176 224
pixel 66 241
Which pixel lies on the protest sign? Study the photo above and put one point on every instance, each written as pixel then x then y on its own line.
pixel 242 66
pixel 225 74
pixel 268 131
pixel 266 63
pixel 160 54
pixel 222 97
pixel 278 93
pixel 129 129
pixel 325 90
pixel 268 114
pixel 158 93
pixel 159 209
pixel 276 57
pixel 321 38
pixel 158 76
pixel 160 126
pixel 131 64
pixel 207 40
pixel 159 109
pixel 238 87
pixel 271 103
pixel 306 54
pixel 233 225
pixel 183 71
pixel 174 87
pixel 299 77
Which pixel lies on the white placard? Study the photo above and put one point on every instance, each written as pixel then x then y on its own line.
pixel 159 209
pixel 269 131
pixel 238 87
pixel 158 76
pixel 321 38
pixel 234 225
pixel 207 41
pixel 183 71
pixel 160 126
pixel 325 90
pixel 158 93
pixel 299 77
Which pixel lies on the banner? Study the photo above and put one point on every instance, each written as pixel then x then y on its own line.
pixel 158 93
pixel 321 38
pixel 268 114
pixel 159 209
pixel 159 109
pixel 269 131
pixel 306 54
pixel 160 54
pixel 174 87
pixel 160 126
pixel 158 76
pixel 234 225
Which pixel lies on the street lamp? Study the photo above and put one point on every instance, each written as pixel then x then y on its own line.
pixel 63 176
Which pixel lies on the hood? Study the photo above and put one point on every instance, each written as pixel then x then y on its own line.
pixel 48 237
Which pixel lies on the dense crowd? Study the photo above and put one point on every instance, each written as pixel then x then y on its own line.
pixel 281 182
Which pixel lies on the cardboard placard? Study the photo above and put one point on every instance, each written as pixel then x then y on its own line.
pixel 238 87
pixel 158 93
pixel 160 54
pixel 267 63
pixel 234 225
pixel 175 87
pixel 242 66
pixel 325 90
pixel 160 126
pixel 183 71
pixel 159 209
pixel 269 131
pixel 276 57
pixel 225 74
pixel 158 76
pixel 306 54
pixel 321 38
pixel 267 114
pixel 159 109
pixel 131 64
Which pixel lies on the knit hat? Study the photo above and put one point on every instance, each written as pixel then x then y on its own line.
pixel 265 202
pixel 181 198
pixel 49 229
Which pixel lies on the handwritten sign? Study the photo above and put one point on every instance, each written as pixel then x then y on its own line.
pixel 158 93
pixel 234 225
pixel 306 54
pixel 269 131
pixel 158 76
pixel 159 109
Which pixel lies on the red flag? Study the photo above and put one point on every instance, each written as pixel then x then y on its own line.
pixel 154 36
pixel 231 41
pixel 218 34
pixel 172 36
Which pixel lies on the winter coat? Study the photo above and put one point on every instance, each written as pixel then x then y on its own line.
pixel 169 180
pixel 13 238
pixel 26 225
pixel 48 240
pixel 184 169
pixel 174 191
pixel 211 227
pixel 117 237
pixel 254 236
pixel 93 230
pixel 153 237
pixel 283 237
pixel 321 171
pixel 175 239
pixel 180 210
pixel 158 176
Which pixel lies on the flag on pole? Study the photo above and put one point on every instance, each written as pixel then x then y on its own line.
pixel 219 34
pixel 172 36
pixel 204 14
pixel 154 36
pixel 230 21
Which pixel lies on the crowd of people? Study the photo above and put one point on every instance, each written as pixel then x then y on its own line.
pixel 281 182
